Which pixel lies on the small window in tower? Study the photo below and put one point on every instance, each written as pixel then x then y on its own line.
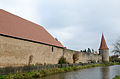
pixel 52 49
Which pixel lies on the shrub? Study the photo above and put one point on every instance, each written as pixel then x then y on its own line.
pixel 62 60
pixel 36 75
pixel 117 77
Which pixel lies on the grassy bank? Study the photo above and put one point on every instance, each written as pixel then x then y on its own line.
pixel 42 73
pixel 117 77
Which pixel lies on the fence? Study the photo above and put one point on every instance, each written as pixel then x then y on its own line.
pixel 12 70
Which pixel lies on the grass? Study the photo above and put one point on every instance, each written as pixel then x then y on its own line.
pixel 42 73
pixel 111 63
pixel 117 77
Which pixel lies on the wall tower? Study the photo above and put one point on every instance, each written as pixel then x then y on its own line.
pixel 104 50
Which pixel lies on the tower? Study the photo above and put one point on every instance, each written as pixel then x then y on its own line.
pixel 104 50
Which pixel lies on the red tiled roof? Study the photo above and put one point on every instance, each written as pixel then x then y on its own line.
pixel 103 44
pixel 15 26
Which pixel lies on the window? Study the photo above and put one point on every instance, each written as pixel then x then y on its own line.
pixel 52 49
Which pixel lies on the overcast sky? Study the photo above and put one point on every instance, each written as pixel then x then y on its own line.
pixel 78 24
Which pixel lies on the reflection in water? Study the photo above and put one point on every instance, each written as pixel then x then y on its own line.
pixel 105 72
pixel 91 73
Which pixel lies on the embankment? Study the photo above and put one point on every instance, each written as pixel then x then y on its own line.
pixel 45 72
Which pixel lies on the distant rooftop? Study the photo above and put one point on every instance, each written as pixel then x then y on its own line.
pixel 16 26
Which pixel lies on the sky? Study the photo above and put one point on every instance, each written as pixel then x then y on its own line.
pixel 78 24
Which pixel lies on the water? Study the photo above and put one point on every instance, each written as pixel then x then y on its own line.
pixel 92 73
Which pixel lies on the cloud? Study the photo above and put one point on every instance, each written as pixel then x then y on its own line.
pixel 66 33
pixel 93 16
pixel 24 8
pixel 78 24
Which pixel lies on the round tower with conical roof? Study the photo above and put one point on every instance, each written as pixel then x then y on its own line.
pixel 104 50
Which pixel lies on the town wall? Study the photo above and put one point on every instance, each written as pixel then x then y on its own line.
pixel 15 52
pixel 82 56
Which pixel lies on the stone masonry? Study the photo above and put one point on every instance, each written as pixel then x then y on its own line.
pixel 15 52
pixel 82 57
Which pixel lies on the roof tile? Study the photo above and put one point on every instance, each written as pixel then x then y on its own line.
pixel 16 26
pixel 103 44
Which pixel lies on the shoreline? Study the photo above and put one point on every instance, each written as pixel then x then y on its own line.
pixel 46 72
pixel 117 77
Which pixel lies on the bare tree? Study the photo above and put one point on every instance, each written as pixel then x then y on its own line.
pixel 116 49
pixel 30 59
pixel 75 57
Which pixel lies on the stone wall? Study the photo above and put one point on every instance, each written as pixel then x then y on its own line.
pixel 15 52
pixel 82 57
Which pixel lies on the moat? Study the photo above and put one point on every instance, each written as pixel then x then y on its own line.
pixel 107 72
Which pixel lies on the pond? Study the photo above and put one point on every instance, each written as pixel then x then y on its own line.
pixel 107 72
